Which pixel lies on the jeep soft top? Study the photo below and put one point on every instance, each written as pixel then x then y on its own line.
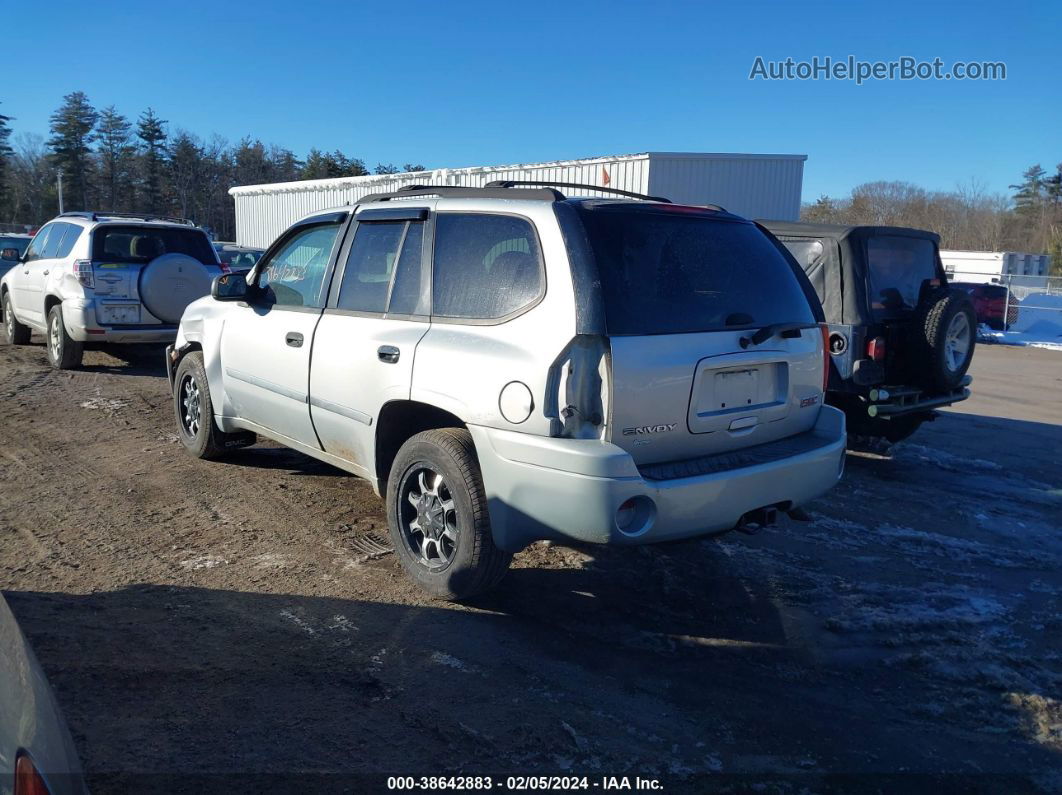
pixel 901 340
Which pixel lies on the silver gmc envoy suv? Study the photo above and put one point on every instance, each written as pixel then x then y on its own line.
pixel 105 278
pixel 507 365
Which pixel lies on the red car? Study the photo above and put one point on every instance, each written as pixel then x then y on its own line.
pixel 990 304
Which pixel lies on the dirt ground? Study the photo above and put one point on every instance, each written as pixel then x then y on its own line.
pixel 214 626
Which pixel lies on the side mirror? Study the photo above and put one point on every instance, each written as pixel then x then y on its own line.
pixel 10 255
pixel 230 287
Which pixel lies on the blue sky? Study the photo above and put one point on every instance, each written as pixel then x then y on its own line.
pixel 476 83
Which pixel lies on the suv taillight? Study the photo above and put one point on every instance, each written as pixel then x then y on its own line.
pixel 83 273
pixel 825 355
pixel 876 349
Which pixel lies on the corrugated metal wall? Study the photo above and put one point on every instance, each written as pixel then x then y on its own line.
pixel 753 185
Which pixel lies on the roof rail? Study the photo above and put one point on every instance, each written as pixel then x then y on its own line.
pixel 96 216
pixel 511 183
pixel 487 192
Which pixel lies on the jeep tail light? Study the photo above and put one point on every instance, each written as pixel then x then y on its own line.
pixel 876 349
pixel 825 354
pixel 83 273
pixel 27 780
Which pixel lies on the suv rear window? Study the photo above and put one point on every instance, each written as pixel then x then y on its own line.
pixel 896 267
pixel 141 244
pixel 671 271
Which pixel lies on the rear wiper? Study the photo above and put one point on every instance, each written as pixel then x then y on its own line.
pixel 765 333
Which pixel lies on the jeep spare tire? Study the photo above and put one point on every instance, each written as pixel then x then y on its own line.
pixel 946 332
pixel 170 282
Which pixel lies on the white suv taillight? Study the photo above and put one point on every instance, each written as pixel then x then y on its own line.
pixel 83 273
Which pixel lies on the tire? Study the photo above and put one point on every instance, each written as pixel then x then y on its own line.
pixel 64 352
pixel 194 412
pixel 945 334
pixel 456 559
pixel 17 334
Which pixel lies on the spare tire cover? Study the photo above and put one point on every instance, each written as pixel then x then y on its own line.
pixel 170 282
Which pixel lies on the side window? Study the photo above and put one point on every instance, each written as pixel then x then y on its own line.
pixel 367 275
pixel 55 241
pixel 295 274
pixel 406 291
pixel 40 242
pixel 73 232
pixel 383 270
pixel 486 266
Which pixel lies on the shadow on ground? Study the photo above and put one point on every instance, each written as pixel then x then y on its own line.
pixel 178 689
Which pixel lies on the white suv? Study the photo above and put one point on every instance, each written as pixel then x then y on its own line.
pixel 509 365
pixel 105 278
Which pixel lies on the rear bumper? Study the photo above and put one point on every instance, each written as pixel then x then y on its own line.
pixel 910 400
pixel 79 317
pixel 567 489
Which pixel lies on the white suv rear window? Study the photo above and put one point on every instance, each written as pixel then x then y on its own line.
pixel 675 270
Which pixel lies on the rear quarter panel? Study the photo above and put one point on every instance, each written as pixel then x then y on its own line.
pixel 463 368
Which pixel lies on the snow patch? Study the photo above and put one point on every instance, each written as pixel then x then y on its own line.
pixel 104 404
pixel 203 562
pixel 1039 324
pixel 442 658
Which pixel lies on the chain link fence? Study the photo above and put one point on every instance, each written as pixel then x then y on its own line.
pixel 1034 303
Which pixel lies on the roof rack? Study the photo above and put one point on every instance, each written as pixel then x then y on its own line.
pixel 505 189
pixel 488 192
pixel 512 183
pixel 96 216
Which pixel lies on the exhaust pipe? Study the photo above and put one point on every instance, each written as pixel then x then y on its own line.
pixel 754 521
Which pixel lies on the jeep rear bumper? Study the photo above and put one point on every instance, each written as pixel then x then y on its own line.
pixel 898 401
pixel 571 489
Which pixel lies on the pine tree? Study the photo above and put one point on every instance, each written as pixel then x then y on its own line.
pixel 6 154
pixel 114 145
pixel 1029 192
pixel 185 156
pixel 72 132
pixel 152 135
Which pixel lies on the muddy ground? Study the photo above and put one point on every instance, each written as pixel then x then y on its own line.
pixel 226 619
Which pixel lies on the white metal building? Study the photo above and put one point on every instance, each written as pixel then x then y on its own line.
pixel 755 186
pixel 986 266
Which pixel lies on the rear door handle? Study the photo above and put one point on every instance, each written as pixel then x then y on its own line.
pixel 388 353
pixel 294 339
pixel 46 273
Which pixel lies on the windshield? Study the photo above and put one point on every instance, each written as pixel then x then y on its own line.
pixel 672 271
pixel 238 259
pixel 141 244
pixel 897 267
pixel 21 243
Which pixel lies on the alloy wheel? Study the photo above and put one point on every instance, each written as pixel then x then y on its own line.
pixel 427 517
pixel 191 406
pixel 55 342
pixel 957 342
